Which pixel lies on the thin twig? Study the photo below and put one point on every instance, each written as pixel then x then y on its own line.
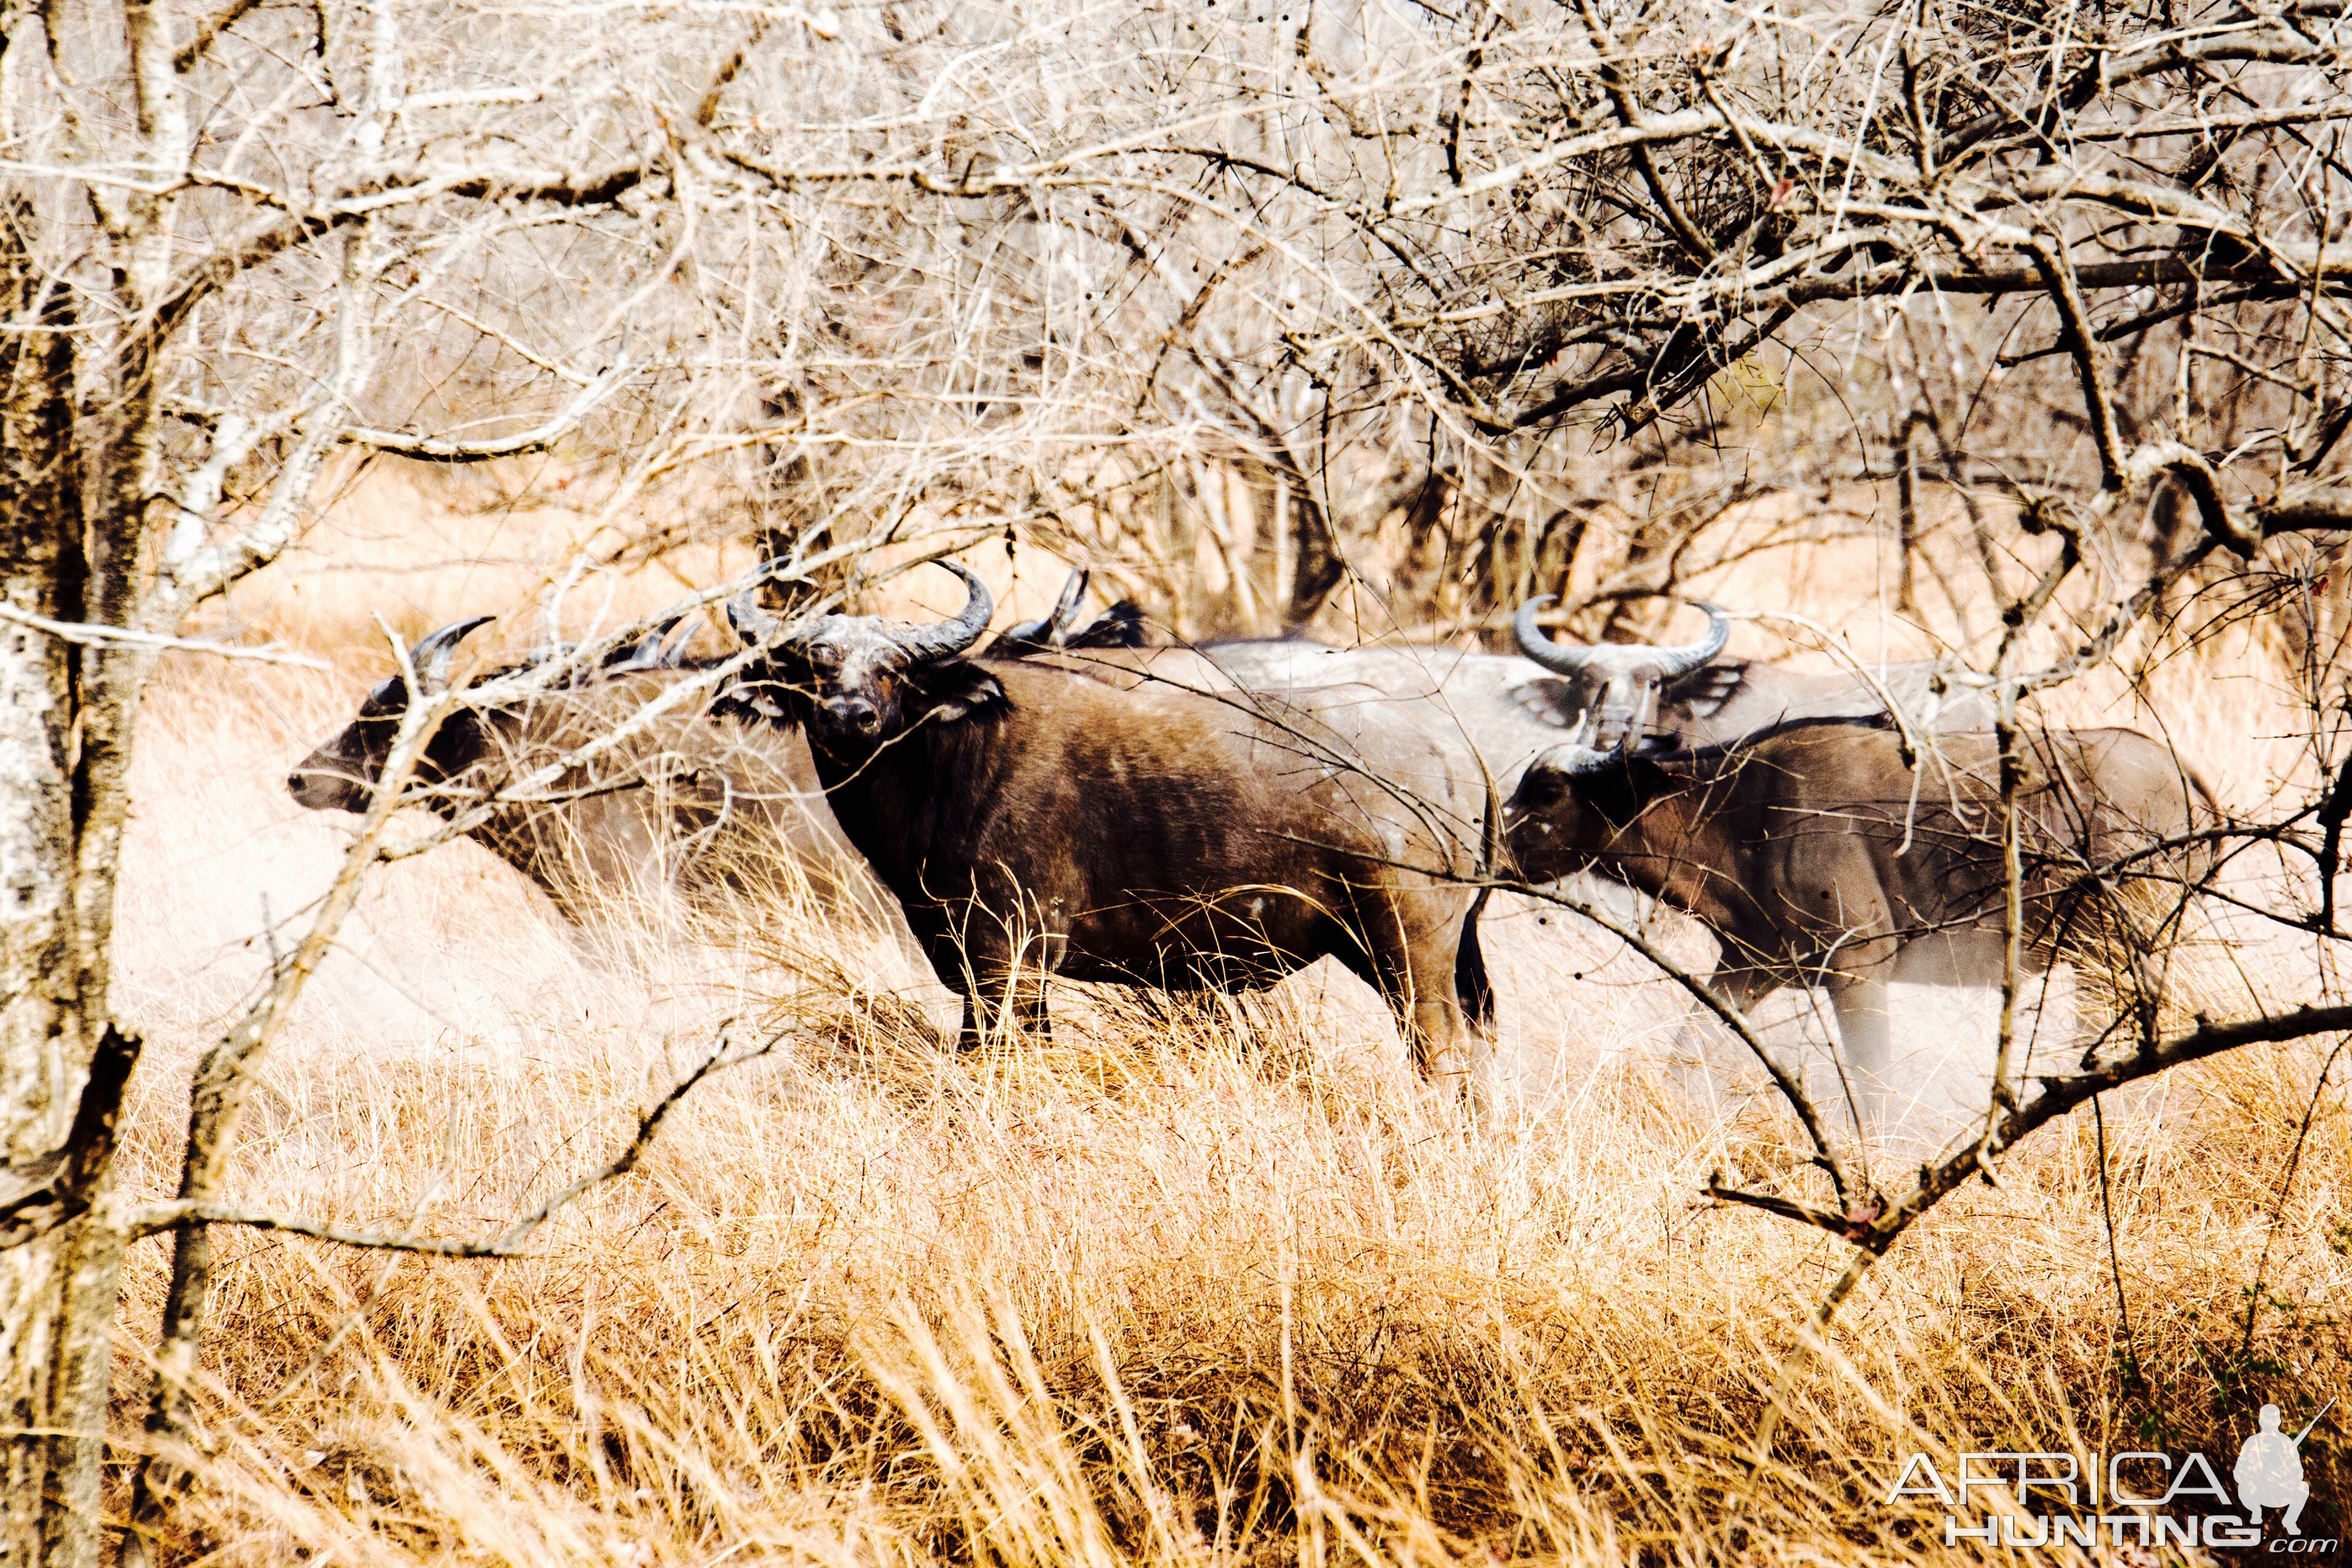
pixel 2286 1186
pixel 2114 1259
pixel 1791 1090
pixel 94 636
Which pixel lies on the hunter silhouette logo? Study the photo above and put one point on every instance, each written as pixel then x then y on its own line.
pixel 2268 1472
pixel 2061 1501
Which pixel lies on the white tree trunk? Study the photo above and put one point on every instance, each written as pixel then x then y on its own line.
pixel 53 1346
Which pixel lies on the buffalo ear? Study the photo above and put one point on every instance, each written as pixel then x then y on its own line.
pixel 954 690
pixel 1562 703
pixel 752 700
pixel 1706 689
pixel 1120 626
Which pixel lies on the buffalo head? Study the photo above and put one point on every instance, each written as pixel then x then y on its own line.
pixel 1054 631
pixel 860 679
pixel 1573 799
pixel 341 773
pixel 1620 681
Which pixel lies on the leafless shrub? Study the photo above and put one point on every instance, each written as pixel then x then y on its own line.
pixel 1361 322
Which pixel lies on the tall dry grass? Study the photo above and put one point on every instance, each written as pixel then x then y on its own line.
pixel 1191 1284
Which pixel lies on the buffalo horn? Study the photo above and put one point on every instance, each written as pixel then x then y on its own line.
pixel 749 622
pixel 647 652
pixel 431 657
pixel 1558 658
pixel 746 619
pixel 1052 631
pixel 1578 761
pixel 1065 609
pixel 937 641
pixel 1568 660
pixel 673 657
pixel 1673 662
pixel 1577 757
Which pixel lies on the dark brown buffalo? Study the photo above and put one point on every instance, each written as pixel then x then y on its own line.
pixel 1034 820
pixel 683 807
pixel 1816 857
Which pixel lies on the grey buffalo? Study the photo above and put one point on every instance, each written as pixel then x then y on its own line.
pixel 1509 708
pixel 1817 857
pixel 1034 820
pixel 1694 697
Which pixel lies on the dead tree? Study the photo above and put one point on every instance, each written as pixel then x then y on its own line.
pixel 227 242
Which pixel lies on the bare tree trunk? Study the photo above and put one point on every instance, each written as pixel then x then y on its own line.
pixel 44 1048
pixel 70 518
pixel 218 1093
pixel 1319 567
pixel 99 283
pixel 63 725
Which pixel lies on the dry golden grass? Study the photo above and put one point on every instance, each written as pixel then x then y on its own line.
pixel 1192 1283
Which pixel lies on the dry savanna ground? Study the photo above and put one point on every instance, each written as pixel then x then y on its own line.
pixel 1191 1284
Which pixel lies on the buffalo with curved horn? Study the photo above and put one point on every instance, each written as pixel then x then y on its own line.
pixel 1626 677
pixel 1815 855
pixel 1692 696
pixel 1035 820
pixel 1508 709
pixel 684 805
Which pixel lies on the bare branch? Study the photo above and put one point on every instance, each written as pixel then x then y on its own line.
pixel 439 449
pixel 87 635
pixel 2058 276
pixel 40 1195
pixel 208 33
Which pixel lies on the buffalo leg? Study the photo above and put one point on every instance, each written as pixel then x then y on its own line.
pixel 1938 1075
pixel 980 978
pixel 1004 975
pixel 1949 1063
pixel 1866 1041
pixel 998 992
pixel 1473 988
pixel 1419 981
pixel 1474 997
pixel 953 961
pixel 989 999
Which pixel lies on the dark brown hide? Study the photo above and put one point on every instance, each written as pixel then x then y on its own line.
pixel 1791 848
pixel 1033 820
